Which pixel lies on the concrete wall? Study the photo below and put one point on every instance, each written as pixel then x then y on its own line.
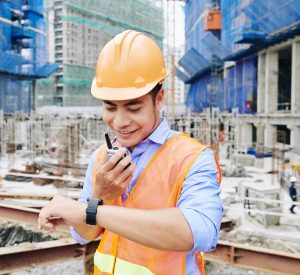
pixel 295 77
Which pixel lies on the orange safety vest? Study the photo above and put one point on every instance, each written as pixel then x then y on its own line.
pixel 163 176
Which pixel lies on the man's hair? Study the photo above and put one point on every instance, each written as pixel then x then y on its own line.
pixel 155 91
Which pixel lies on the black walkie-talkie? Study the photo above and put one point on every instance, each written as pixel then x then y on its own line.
pixel 111 150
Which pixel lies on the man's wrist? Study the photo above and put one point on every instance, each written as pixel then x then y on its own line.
pixel 91 210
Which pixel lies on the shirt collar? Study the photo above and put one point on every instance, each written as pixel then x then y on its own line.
pixel 161 133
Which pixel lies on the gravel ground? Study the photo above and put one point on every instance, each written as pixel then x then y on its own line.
pixel 213 268
pixel 76 268
pixel 67 268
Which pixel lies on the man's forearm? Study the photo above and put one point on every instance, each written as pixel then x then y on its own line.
pixel 165 229
pixel 88 232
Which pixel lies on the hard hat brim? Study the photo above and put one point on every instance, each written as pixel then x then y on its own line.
pixel 108 93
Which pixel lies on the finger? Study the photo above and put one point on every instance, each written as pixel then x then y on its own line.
pixel 57 222
pixel 104 160
pixel 122 165
pixel 48 226
pixel 45 215
pixel 127 175
pixel 42 220
pixel 114 159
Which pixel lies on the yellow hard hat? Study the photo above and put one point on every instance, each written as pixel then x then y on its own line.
pixel 129 66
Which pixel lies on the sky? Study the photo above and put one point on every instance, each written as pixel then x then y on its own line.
pixel 179 19
pixel 179 24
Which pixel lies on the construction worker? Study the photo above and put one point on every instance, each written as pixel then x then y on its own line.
pixel 156 200
pixel 293 193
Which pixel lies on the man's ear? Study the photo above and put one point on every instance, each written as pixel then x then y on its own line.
pixel 159 100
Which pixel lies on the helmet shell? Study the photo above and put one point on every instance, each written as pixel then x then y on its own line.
pixel 128 67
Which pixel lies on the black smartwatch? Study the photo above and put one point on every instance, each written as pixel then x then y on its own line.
pixel 91 210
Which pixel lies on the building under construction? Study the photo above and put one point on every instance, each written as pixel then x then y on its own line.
pixel 23 55
pixel 77 31
pixel 243 57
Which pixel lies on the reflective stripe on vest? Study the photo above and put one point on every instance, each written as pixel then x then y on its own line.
pixel 105 263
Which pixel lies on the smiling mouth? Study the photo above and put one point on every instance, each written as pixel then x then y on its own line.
pixel 125 132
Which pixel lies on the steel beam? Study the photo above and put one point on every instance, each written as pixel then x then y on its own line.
pixel 19 213
pixel 38 254
pixel 23 214
pixel 258 258
pixel 14 195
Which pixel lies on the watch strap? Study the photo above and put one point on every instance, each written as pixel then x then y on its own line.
pixel 91 210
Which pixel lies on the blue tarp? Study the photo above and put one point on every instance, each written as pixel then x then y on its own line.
pixel 236 90
pixel 261 23
pixel 192 62
pixel 23 52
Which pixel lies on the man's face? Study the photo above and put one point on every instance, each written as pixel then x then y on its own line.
pixel 133 120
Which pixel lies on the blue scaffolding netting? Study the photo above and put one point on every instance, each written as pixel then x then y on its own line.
pixel 23 55
pixel 247 27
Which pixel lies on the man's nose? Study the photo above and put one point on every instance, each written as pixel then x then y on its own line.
pixel 121 120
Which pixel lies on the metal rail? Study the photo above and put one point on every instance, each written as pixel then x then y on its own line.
pixel 37 176
pixel 38 254
pixel 22 196
pixel 24 214
pixel 19 213
pixel 258 258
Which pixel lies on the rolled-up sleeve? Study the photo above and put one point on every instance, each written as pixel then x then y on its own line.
pixel 84 195
pixel 200 202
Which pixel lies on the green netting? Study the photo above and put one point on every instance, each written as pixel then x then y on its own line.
pixel 140 15
pixel 77 82
pixel 77 77
pixel 74 71
pixel 92 24
pixel 45 91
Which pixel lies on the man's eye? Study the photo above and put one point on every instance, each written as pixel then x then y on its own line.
pixel 134 110
pixel 110 109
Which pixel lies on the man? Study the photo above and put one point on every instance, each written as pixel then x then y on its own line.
pixel 156 200
pixel 293 193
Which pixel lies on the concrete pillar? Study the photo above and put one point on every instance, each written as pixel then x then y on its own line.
pixel 238 132
pixel 295 93
pixel 246 134
pixel 270 135
pixel 261 83
pixel 260 132
pixel 33 95
pixel 295 136
pixel 271 87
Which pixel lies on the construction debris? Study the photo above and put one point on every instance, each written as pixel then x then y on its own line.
pixel 12 234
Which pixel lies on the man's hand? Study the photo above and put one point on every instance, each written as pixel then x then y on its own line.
pixel 113 176
pixel 61 210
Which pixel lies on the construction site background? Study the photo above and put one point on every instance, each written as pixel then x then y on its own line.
pixel 241 68
pixel 223 41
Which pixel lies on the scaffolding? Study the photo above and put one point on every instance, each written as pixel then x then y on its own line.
pixel 60 144
pixel 247 27
pixel 23 55
pixel 77 31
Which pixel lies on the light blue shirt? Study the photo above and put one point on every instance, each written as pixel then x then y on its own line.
pixel 199 200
